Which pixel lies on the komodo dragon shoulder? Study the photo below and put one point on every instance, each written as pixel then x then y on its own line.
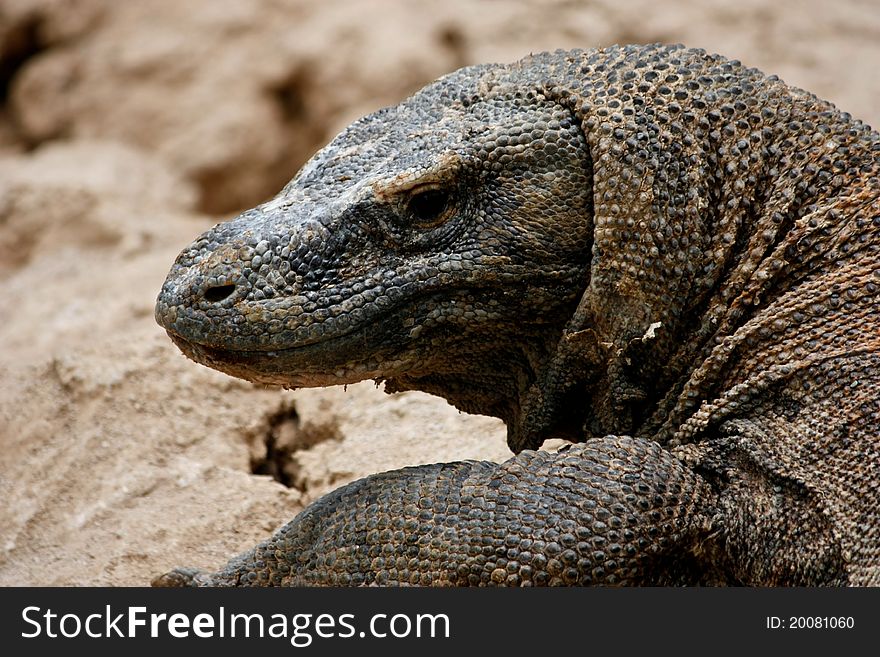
pixel 661 255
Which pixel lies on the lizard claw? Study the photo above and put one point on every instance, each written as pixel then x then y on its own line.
pixel 178 578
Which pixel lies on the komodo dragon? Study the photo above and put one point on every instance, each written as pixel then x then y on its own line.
pixel 656 253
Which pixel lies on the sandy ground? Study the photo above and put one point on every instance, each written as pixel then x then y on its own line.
pixel 127 128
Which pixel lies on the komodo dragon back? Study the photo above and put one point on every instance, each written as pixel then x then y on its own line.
pixel 661 255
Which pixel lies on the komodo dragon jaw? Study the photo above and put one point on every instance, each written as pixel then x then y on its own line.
pixel 409 250
pixel 658 252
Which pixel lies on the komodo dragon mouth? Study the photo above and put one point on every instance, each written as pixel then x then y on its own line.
pixel 374 345
pixel 257 366
pixel 327 360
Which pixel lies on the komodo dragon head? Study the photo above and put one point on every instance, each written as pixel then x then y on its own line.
pixel 438 245
pixel 558 243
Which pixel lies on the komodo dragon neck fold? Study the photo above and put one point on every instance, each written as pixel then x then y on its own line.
pixel 653 251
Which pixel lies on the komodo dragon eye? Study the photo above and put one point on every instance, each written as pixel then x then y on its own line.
pixel 429 206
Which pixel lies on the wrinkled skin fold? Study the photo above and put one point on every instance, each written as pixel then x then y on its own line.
pixel 658 254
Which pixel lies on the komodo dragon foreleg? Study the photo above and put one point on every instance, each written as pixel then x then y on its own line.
pixel 614 510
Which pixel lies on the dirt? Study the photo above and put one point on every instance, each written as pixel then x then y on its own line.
pixel 128 128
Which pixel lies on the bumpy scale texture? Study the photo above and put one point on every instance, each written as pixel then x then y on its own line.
pixel 657 253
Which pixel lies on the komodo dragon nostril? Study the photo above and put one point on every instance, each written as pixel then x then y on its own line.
pixel 219 292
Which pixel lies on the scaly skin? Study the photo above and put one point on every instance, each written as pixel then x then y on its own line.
pixel 655 252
